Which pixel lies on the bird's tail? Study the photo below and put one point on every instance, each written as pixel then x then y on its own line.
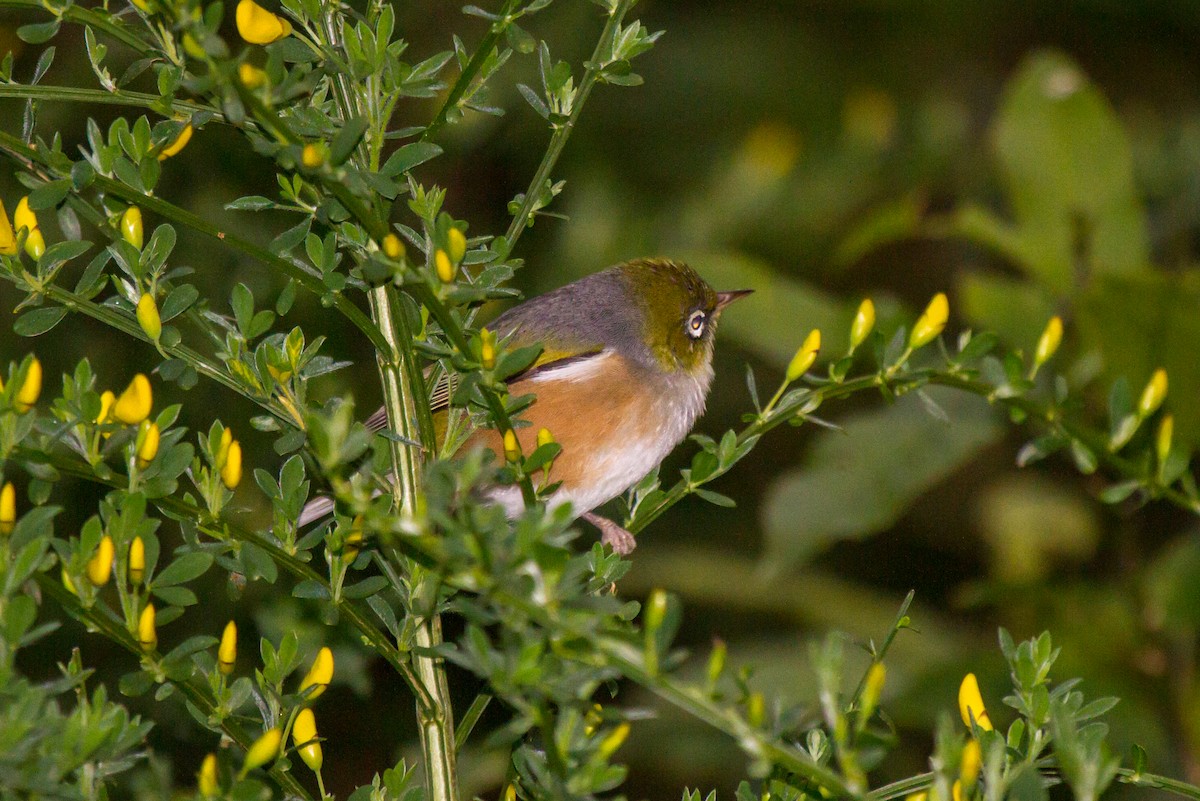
pixel 317 508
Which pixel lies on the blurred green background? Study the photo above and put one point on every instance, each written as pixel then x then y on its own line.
pixel 1030 158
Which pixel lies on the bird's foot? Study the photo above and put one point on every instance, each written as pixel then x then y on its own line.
pixel 620 540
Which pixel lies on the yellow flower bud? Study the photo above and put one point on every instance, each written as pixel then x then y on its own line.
pixel 864 323
pixel 68 583
pixel 512 448
pixel 251 76
pixel 656 610
pixel 972 761
pixel 147 316
pixel 544 437
pixel 137 560
pixel 487 349
pixel 223 447
pixel 131 227
pixel 8 508
pixel 319 675
pixel 8 238
pixel 970 703
pixel 99 567
pixel 206 779
pixel 931 322
pixel 134 404
pixel 456 243
pixel 353 540
pixel 393 248
pixel 311 156
pixel 179 144
pixel 107 399
pixel 31 387
pixel 613 740
pixel 227 650
pixel 264 749
pixel 1154 393
pixel 756 709
pixel 231 471
pixel 1049 341
pixel 193 47
pixel 806 354
pixel 873 687
pixel 956 792
pixel 304 731
pixel 258 26
pixel 23 217
pixel 921 796
pixel 1162 440
pixel 445 268
pixel 147 631
pixel 147 443
pixel 510 793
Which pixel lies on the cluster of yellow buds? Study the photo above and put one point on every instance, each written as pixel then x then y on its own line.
pixel 229 459
pixel 24 218
pixel 35 243
pixel 258 26
pixel 446 260
pixel 30 389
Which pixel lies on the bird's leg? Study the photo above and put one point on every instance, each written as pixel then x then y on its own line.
pixel 612 535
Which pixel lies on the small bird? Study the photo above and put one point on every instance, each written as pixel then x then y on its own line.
pixel 624 372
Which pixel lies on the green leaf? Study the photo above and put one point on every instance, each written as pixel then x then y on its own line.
pixel 185 568
pixel 409 157
pixel 39 32
pixel 49 194
pixel 365 588
pixel 346 140
pixel 311 588
pixel 39 321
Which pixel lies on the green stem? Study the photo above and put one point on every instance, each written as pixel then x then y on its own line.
pixel 123 97
pixel 878 656
pixel 86 16
pixel 558 140
pixel 478 58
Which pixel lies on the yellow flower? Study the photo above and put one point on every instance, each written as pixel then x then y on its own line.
pixel 970 703
pixel 264 749
pixel 179 144
pixel 806 354
pixel 31 387
pixel 23 217
pixel 1049 341
pixel 147 631
pixel 393 248
pixel 972 761
pixel 223 447
pixel 544 437
pixel 956 792
pixel 1154 393
pixel 456 243
pixel 227 650
pixel 231 471
pixel 206 779
pixel 258 26
pixel 137 560
pixel 147 443
pixel 251 76
pixel 8 508
pixel 99 567
pixel 147 316
pixel 930 324
pixel 8 238
pixel 1162 441
pixel 311 156
pixel 132 230
pixel 445 268
pixel 107 399
pixel 134 404
pixel 304 731
pixel 319 675
pixel 864 323
pixel 512 448
pixel 487 349
pixel 613 740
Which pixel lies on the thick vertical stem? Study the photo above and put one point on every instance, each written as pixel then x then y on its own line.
pixel 436 721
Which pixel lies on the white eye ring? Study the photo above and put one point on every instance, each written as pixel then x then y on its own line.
pixel 695 324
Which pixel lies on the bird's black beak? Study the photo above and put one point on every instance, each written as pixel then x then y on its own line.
pixel 725 298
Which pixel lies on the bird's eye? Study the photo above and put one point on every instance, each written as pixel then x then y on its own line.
pixel 695 324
